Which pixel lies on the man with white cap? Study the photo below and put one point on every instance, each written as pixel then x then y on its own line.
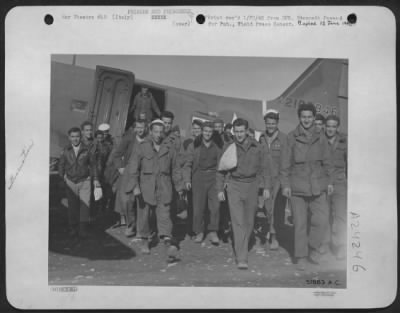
pixel 103 150
pixel 151 170
pixel 105 128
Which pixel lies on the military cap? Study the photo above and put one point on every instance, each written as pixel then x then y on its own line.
pixel 157 122
pixel 271 113
pixel 104 127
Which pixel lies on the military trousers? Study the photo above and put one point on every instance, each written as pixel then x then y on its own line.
pixel 319 221
pixel 242 197
pixel 124 202
pixel 274 207
pixel 338 206
pixel 163 220
pixel 78 195
pixel 205 196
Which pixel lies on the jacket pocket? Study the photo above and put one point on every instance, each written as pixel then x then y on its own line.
pixel 147 164
pixel 299 152
pixel 165 165
pixel 300 185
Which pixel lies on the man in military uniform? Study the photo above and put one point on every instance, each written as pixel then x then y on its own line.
pixel 251 133
pixel 124 204
pixel 274 142
pixel 307 179
pixel 104 145
pixel 243 182
pixel 225 228
pixel 173 141
pixel 102 153
pixel 199 173
pixel 319 123
pixel 228 132
pixel 77 167
pixel 195 132
pixel 144 103
pixel 338 199
pixel 151 170
pixel 170 137
pixel 219 126
pixel 87 135
pixel 88 140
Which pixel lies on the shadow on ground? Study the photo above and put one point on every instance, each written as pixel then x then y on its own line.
pixel 99 246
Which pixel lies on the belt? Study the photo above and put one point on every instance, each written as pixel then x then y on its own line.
pixel 244 179
pixel 208 170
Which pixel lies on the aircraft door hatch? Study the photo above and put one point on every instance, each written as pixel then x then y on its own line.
pixel 112 94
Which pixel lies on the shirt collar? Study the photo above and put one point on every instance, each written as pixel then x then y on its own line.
pixel 210 145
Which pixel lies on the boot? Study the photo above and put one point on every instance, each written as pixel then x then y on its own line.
pixel 242 265
pixel 301 264
pixel 83 230
pixel 172 249
pixel 73 231
pixel 130 231
pixel 199 238
pixel 213 238
pixel 274 245
pixel 144 246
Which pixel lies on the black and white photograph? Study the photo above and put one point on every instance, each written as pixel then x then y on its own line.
pixel 179 171
pixel 200 157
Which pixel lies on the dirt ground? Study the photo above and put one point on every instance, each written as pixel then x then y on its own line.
pixel 109 258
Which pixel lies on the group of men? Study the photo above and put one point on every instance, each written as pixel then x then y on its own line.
pixel 223 174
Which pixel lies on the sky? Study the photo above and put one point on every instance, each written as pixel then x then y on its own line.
pixel 238 77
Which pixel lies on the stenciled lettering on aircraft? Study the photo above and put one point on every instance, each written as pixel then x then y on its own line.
pixel 324 109
pixel 79 105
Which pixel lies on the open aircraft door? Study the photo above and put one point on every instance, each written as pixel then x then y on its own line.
pixel 112 95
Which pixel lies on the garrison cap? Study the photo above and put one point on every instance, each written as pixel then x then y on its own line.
pixel 104 127
pixel 271 113
pixel 157 122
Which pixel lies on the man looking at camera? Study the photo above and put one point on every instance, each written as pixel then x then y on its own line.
pixel 306 176
pixel 77 166
pixel 243 180
pixel 199 174
pixel 338 199
pixel 319 122
pixel 274 142
pixel 124 203
pixel 151 170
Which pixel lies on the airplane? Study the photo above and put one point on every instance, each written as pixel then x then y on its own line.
pixel 104 95
pixel 324 83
